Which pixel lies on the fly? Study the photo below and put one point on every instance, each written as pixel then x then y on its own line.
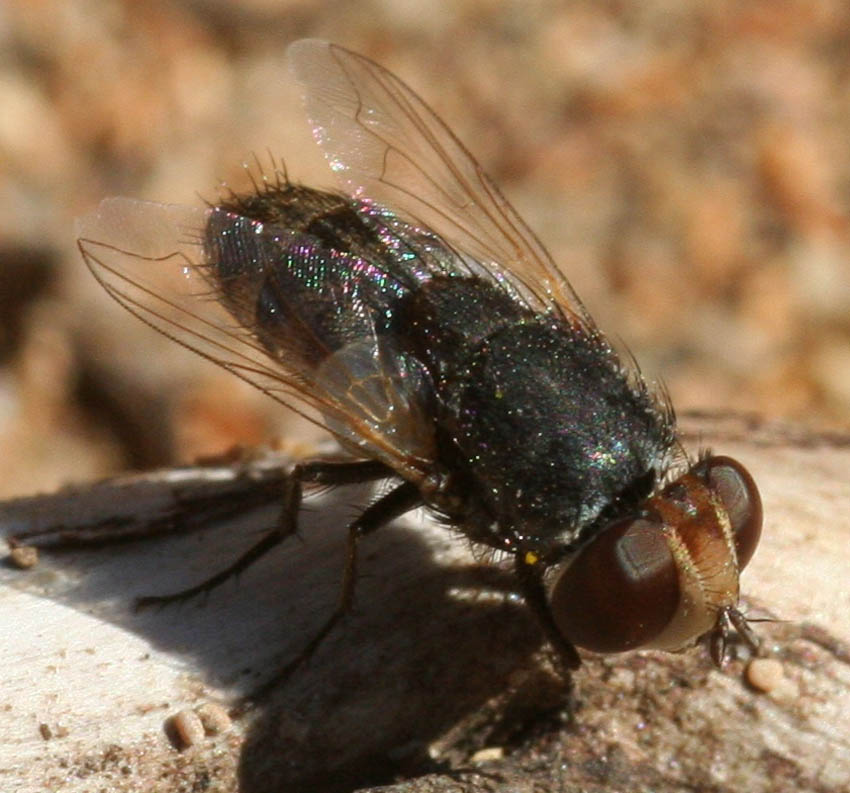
pixel 446 352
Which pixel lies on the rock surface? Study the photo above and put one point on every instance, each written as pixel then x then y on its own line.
pixel 436 670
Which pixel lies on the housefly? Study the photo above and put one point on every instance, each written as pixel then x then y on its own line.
pixel 419 316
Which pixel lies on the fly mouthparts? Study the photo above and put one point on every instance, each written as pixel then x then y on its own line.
pixel 729 619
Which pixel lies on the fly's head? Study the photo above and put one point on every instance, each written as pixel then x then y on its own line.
pixel 667 575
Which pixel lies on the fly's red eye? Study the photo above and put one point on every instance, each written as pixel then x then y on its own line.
pixel 738 493
pixel 621 591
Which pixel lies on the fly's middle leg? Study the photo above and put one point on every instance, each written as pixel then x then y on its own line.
pixel 398 501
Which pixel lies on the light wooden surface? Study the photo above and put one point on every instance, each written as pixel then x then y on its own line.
pixel 428 669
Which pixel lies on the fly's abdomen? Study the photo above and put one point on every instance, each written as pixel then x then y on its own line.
pixel 317 278
pixel 303 269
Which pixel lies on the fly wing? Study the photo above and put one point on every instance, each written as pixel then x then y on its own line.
pixel 151 258
pixel 386 145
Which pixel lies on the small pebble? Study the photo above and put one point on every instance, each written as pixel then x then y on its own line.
pixel 188 726
pixel 488 755
pixel 45 731
pixel 765 674
pixel 24 556
pixel 214 718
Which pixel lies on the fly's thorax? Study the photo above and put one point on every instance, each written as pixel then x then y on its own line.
pixel 667 575
pixel 549 427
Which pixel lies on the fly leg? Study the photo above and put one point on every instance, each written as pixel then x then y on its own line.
pixel 530 574
pixel 318 472
pixel 401 499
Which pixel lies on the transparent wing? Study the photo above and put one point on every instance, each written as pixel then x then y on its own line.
pixel 386 145
pixel 148 257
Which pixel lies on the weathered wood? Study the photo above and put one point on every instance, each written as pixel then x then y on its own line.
pixel 428 671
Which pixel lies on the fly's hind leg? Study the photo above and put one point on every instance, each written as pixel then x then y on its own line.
pixel 401 499
pixel 317 472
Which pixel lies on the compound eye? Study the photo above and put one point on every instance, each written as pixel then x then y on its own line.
pixel 620 591
pixel 737 491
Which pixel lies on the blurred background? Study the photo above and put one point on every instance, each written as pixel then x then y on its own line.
pixel 688 165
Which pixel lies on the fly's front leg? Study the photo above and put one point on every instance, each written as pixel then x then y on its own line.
pixel 530 573
pixel 317 472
